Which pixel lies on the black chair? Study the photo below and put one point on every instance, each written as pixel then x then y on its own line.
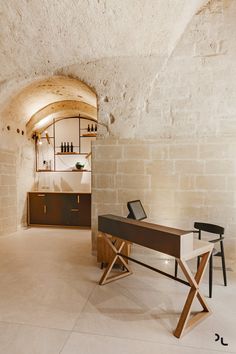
pixel 217 230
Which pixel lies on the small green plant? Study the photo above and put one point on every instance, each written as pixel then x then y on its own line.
pixel 79 165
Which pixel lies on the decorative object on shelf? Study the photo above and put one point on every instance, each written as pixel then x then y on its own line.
pixel 36 137
pixel 92 129
pixel 47 165
pixel 66 147
pixel 96 127
pixel 79 165
pixel 47 137
pixel 88 129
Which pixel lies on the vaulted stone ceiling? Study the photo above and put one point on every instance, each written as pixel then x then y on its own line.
pixel 39 36
pixel 54 94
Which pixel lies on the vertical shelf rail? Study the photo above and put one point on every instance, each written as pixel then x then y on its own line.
pixel 37 154
pixel 79 136
pixel 54 147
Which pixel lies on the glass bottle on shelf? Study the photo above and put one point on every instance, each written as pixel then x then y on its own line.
pixel 64 147
pixel 92 128
pixel 71 147
pixel 88 129
pixel 67 147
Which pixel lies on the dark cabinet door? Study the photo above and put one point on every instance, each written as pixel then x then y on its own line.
pixel 37 208
pixel 85 209
pixel 54 209
pixel 70 209
pixel 77 209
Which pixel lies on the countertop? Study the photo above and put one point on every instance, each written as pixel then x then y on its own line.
pixel 60 192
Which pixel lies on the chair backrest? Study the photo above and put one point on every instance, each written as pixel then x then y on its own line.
pixel 214 229
pixel 136 210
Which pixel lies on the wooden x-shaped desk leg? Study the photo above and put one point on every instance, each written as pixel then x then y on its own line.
pixel 104 279
pixel 184 322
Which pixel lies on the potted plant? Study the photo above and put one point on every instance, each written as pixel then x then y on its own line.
pixel 79 165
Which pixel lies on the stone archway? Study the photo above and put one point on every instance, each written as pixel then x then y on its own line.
pixel 42 100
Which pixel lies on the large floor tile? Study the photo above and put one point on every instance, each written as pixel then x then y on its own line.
pixel 91 344
pixel 20 339
pixel 45 277
pixel 49 289
pixel 131 313
pixel 152 314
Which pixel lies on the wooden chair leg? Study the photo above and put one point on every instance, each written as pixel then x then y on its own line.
pixel 176 268
pixel 223 262
pixel 210 275
pixel 198 261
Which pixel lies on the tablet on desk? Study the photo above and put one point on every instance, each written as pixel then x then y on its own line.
pixel 136 210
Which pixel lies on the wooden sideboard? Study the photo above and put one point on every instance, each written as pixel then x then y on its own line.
pixel 59 209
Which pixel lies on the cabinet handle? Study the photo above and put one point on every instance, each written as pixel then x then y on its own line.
pixel 45 209
pixel 41 195
pixel 74 209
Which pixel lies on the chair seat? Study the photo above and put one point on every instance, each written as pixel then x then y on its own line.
pixel 215 252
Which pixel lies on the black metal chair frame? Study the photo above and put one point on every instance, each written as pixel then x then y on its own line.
pixel 213 229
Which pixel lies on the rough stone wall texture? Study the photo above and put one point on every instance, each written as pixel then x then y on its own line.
pixel 22 149
pixel 179 182
pixel 39 39
pixel 189 108
pixel 156 86
pixel 190 93
pixel 8 192
pixel 39 36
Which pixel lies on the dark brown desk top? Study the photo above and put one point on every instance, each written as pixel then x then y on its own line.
pixel 157 237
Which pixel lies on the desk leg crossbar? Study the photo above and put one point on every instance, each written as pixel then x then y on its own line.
pixel 185 322
pixel 105 277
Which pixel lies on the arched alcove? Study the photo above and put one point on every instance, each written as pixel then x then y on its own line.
pixel 35 107
pixel 60 110
pixel 50 95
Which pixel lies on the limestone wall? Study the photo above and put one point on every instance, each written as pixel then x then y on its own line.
pixel 14 142
pixel 178 181
pixel 8 192
pixel 186 172
pixel 166 98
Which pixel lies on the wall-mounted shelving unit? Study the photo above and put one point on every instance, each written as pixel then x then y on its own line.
pixel 63 134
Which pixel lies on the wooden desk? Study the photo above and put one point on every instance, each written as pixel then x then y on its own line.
pixel 174 242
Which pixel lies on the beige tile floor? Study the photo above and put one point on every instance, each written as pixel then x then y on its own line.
pixel 51 303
